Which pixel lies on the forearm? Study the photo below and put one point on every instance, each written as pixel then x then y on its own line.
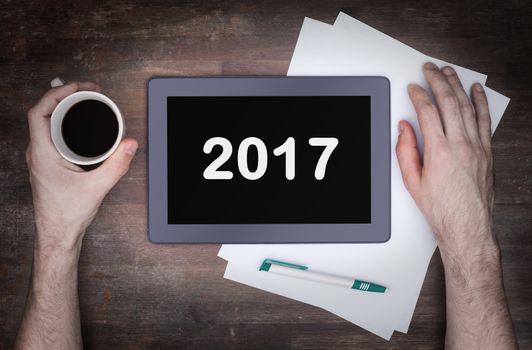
pixel 65 201
pixel 51 318
pixel 477 312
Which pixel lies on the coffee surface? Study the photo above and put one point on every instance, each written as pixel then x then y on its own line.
pixel 90 128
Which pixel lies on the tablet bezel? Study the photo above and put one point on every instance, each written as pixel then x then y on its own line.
pixel 378 231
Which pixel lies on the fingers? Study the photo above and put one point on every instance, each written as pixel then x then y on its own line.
pixel 116 166
pixel 466 108
pixel 427 115
pixel 409 159
pixel 447 100
pixel 480 102
pixel 39 123
pixel 49 101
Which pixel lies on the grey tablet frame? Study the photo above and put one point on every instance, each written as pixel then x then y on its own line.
pixel 159 231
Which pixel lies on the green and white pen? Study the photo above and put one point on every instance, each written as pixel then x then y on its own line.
pixel 302 272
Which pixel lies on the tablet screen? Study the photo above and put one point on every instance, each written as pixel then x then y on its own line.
pixel 269 159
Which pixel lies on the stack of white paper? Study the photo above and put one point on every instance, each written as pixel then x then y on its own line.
pixel 349 47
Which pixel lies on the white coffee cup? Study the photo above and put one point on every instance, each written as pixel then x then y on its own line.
pixel 57 119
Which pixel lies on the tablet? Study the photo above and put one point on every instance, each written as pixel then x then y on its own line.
pixel 269 160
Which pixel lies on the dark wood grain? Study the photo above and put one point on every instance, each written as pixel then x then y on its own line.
pixel 138 295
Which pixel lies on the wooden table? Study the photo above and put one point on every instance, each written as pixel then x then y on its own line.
pixel 138 295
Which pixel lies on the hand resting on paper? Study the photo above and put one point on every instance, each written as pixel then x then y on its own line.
pixel 452 184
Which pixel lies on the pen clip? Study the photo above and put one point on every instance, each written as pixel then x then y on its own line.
pixel 267 263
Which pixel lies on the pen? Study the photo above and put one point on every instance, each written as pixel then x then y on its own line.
pixel 302 272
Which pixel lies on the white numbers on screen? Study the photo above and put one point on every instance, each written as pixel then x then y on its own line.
pixel 288 148
pixel 330 144
pixel 212 172
pixel 262 157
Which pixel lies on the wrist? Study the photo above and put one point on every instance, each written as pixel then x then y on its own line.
pixel 466 249
pixel 56 238
pixel 46 248
pixel 468 243
pixel 474 267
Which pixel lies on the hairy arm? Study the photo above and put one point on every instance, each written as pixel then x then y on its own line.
pixel 65 200
pixel 477 313
pixel 51 319
pixel 452 185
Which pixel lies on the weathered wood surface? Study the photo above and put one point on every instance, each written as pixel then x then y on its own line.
pixel 138 295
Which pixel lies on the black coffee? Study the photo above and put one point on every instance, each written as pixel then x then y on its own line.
pixel 90 128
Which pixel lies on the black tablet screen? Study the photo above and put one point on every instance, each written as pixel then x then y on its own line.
pixel 260 160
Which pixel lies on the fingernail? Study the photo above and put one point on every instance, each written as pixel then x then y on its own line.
pixel 448 71
pixel 411 86
pixel 478 87
pixel 131 148
pixel 430 65
pixel 57 82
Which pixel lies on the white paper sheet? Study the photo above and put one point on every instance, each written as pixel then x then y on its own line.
pixel 352 48
pixel 497 103
pixel 237 271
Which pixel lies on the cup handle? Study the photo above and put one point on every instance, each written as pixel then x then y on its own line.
pixel 57 82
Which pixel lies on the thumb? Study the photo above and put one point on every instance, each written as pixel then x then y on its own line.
pixel 117 165
pixel 408 157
